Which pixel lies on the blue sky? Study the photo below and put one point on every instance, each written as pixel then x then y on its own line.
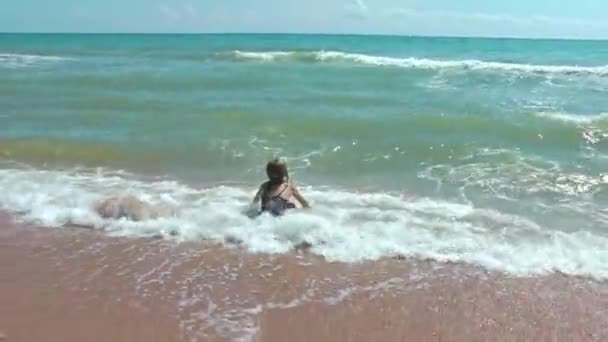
pixel 520 18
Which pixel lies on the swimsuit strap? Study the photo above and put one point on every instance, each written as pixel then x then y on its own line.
pixel 282 191
pixel 268 185
pixel 281 204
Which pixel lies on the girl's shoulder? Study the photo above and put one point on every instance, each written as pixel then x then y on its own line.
pixel 265 186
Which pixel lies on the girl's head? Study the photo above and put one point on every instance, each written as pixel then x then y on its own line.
pixel 277 171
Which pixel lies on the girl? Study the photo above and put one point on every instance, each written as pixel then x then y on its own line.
pixel 279 193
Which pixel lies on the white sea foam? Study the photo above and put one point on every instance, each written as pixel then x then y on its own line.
pixel 343 226
pixel 422 63
pixel 14 60
pixel 266 56
pixel 574 118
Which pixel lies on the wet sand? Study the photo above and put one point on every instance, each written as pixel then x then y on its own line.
pixel 75 284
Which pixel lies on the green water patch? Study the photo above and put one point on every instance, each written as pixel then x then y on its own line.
pixel 44 151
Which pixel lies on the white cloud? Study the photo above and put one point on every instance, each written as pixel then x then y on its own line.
pixel 169 12
pixel 451 15
pixel 361 6
pixel 357 8
pixel 578 22
pixel 483 24
pixel 179 13
pixel 493 18
pixel 190 11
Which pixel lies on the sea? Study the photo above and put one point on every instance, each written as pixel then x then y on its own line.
pixel 486 152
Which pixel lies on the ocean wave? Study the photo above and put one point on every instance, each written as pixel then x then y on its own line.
pixel 14 60
pixel 343 226
pixel 266 56
pixel 573 118
pixel 518 177
pixel 420 63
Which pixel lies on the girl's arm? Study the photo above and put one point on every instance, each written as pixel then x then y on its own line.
pixel 298 196
pixel 258 195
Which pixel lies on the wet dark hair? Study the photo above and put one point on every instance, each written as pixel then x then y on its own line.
pixel 276 170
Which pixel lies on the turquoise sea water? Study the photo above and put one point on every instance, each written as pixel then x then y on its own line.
pixel 500 144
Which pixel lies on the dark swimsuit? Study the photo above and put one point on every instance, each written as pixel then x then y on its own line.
pixel 280 204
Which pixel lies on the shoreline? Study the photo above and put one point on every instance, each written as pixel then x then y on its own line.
pixel 74 284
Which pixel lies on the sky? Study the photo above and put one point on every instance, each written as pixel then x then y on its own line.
pixel 495 18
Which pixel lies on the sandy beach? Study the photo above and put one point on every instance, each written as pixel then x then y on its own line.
pixel 74 284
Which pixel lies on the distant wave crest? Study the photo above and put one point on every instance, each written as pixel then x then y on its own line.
pixel 418 63
pixel 15 60
pixel 574 118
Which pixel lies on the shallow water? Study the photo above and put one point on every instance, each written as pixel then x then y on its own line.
pixel 490 152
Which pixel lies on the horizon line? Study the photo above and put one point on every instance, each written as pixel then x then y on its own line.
pixel 506 37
